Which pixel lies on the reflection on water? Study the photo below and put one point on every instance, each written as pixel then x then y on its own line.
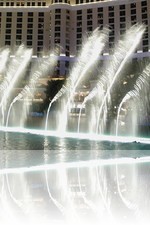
pixel 86 192
pixel 60 183
pixel 28 141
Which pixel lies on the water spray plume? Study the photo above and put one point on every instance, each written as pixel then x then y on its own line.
pixel 90 52
pixel 40 69
pixel 141 88
pixel 95 49
pixel 22 65
pixel 122 53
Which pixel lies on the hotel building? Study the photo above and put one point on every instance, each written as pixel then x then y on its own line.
pixel 45 24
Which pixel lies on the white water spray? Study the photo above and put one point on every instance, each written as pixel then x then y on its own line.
pixel 122 54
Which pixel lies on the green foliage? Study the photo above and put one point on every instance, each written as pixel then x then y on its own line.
pixel 53 86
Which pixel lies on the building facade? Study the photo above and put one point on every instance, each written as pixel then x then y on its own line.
pixel 46 24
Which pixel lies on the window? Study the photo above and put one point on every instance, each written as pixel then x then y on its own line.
pixel 40 37
pixel 30 20
pixel 133 18
pixel 19 14
pixel 100 21
pixel 57 34
pixel 57 40
pixel 19 25
pixel 122 31
pixel 40 25
pixel 79 12
pixel 19 20
pixel 29 43
pixel 111 20
pixel 111 8
pixel 57 28
pixel 79 24
pixel 57 22
pixel 111 39
pixel 40 31
pixel 145 49
pixel 8 31
pixel 90 28
pixel 29 37
pixel 57 10
pixel 122 13
pixel 89 10
pixel 144 16
pixel 79 30
pixel 122 19
pixel 7 36
pixel 89 17
pixel 122 25
pixel 78 42
pixel 57 17
pixel 100 15
pixel 144 3
pixel 79 35
pixel 145 42
pixel 144 10
pixel 79 17
pixel 100 9
pixel 112 27
pixel 18 37
pixel 122 7
pixel 19 31
pixel 111 14
pixel 40 42
pixel 89 22
pixel 133 5
pixel 41 14
pixel 7 42
pixel 8 20
pixel 41 20
pixel 9 14
pixel 30 14
pixel 67 48
pixel 133 11
pixel 30 25
pixel 145 35
pixel 145 22
pixel 29 31
pixel 8 25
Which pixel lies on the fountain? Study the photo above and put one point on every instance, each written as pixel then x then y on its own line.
pixel 75 187
pixel 100 96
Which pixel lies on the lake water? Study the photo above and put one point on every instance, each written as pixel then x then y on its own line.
pixel 72 181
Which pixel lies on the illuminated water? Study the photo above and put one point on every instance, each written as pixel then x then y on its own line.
pixel 73 186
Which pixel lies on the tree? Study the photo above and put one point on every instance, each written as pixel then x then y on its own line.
pixel 53 86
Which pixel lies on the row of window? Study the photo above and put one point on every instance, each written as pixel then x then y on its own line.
pixel 22 3
pixel 133 5
pixel 20 14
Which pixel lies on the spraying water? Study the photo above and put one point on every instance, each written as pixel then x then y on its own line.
pixel 96 91
pixel 122 53
pixel 139 93
pixel 22 64
pixel 38 71
pixel 96 45
pixel 90 51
